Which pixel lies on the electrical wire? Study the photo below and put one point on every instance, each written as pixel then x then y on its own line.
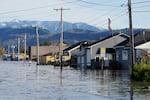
pixel 114 18
pixel 141 2
pixel 93 3
pixel 142 11
pixel 106 13
pixel 86 6
pixel 35 8
pixel 143 6
pixel 118 14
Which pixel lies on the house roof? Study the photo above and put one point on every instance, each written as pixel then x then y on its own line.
pixel 89 43
pixel 142 37
pixel 139 38
pixel 101 40
pixel 143 46
pixel 123 43
pixel 118 34
pixel 76 45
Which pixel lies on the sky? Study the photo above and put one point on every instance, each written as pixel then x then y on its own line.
pixel 93 12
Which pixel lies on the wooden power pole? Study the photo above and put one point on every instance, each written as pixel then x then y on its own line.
pixel 132 60
pixel 25 45
pixel 61 36
pixel 18 48
pixel 37 45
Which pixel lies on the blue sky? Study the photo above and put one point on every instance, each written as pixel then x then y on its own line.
pixel 93 12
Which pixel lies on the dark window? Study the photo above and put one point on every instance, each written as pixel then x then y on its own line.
pixel 97 59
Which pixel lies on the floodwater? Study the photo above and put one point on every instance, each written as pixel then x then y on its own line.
pixel 24 81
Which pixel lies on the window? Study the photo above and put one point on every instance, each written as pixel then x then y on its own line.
pixel 97 59
pixel 117 55
pixel 124 55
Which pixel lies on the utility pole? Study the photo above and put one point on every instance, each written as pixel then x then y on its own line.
pixel 25 46
pixel 37 44
pixel 8 49
pixel 131 39
pixel 61 37
pixel 18 48
pixel 13 51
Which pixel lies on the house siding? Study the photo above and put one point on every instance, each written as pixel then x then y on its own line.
pixel 73 52
pixel 108 43
pixel 88 57
pixel 121 59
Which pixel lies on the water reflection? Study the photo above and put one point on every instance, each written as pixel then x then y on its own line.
pixel 131 91
pixel 20 81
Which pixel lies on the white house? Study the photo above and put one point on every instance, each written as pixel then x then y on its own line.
pixel 144 46
pixel 72 51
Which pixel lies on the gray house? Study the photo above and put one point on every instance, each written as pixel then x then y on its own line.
pixel 142 46
pixel 72 51
pixel 91 54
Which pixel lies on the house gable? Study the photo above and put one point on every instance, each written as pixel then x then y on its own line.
pixel 145 45
pixel 108 42
pixel 74 48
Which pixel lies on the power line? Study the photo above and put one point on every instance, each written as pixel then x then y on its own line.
pixel 141 6
pixel 25 15
pixel 35 8
pixel 123 5
pixel 142 11
pixel 113 19
pixel 141 2
pixel 106 13
pixel 93 3
pixel 103 15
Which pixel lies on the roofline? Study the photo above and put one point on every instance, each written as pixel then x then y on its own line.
pixel 119 34
pixel 73 48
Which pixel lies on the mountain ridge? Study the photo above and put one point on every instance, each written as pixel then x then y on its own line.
pixel 52 26
pixel 72 34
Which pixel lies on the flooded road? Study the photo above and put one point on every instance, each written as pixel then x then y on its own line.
pixel 24 81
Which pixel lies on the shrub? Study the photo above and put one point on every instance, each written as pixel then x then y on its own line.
pixel 141 71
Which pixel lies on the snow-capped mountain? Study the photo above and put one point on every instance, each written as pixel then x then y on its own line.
pixel 52 26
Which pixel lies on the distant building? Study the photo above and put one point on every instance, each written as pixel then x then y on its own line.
pixel 46 53
pixel 47 58
pixel 53 49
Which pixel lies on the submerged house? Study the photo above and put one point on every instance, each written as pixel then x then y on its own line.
pixel 141 44
pixel 91 54
pixel 72 52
